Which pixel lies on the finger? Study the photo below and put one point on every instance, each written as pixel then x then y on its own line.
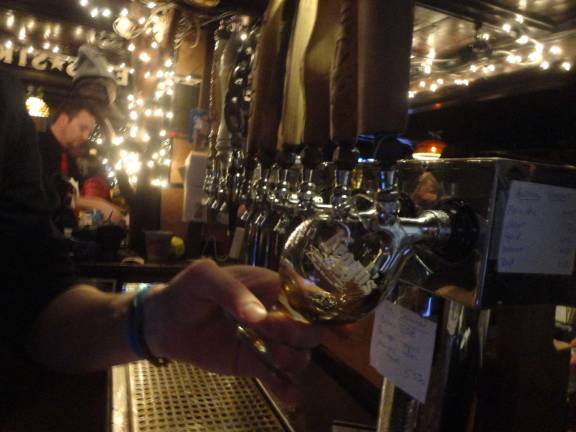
pixel 264 283
pixel 204 280
pixel 281 328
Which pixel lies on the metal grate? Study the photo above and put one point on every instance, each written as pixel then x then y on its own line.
pixel 182 398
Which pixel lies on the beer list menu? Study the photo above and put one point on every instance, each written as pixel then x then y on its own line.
pixel 539 230
pixel 402 348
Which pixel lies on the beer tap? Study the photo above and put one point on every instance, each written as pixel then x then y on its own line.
pixel 212 177
pixel 228 141
pixel 283 203
pixel 256 251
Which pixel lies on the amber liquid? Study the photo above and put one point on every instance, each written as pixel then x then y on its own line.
pixel 308 302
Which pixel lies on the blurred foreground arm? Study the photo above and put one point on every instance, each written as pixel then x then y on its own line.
pixel 84 329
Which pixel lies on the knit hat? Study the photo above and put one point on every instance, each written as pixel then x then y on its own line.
pixel 95 81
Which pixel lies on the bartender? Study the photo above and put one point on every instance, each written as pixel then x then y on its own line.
pixel 74 123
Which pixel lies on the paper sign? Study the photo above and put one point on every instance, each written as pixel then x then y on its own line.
pixel 539 230
pixel 402 348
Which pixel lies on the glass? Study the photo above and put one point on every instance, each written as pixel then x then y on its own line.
pixel 336 272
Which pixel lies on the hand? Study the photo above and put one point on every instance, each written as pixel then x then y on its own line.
pixel 188 322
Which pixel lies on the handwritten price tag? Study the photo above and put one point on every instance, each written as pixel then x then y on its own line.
pixel 402 348
pixel 539 230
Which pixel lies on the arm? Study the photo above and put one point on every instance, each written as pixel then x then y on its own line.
pixel 186 320
pixel 108 209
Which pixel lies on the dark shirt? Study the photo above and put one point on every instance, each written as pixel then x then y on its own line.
pixel 51 153
pixel 34 265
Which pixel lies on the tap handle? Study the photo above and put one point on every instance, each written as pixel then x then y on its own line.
pixel 345 156
pixel 464 230
pixel 311 157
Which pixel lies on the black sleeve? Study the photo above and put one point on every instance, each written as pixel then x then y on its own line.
pixel 34 264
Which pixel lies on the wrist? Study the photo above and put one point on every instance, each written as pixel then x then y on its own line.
pixel 145 324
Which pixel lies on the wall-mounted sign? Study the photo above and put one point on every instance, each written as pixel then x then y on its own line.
pixel 48 61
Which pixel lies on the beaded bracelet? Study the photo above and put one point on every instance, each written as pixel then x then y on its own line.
pixel 136 336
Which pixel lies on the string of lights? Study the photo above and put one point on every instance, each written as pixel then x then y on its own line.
pixel 479 60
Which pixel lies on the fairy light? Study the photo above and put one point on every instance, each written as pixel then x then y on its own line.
pixel 8 44
pixel 523 40
pixel 534 56
pixel 555 50
pixel 507 27
pixel 22 34
pixel 144 57
pixel 10 19
pixel 545 65
pixel 131 47
pixel 118 140
pixel 142 21
pixel 94 12
pixel 83 3
pixel 566 66
pixel 106 13
pixel 133 115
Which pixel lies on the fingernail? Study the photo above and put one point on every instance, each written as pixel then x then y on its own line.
pixel 254 312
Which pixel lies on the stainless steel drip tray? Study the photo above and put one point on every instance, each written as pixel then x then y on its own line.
pixel 182 398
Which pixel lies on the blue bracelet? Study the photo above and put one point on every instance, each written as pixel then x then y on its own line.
pixel 136 337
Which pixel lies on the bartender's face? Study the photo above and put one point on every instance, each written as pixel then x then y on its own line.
pixel 77 129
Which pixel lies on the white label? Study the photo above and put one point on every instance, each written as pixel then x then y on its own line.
pixel 237 243
pixel 539 230
pixel 402 348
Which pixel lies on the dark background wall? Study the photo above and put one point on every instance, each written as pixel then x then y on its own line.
pixel 536 125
